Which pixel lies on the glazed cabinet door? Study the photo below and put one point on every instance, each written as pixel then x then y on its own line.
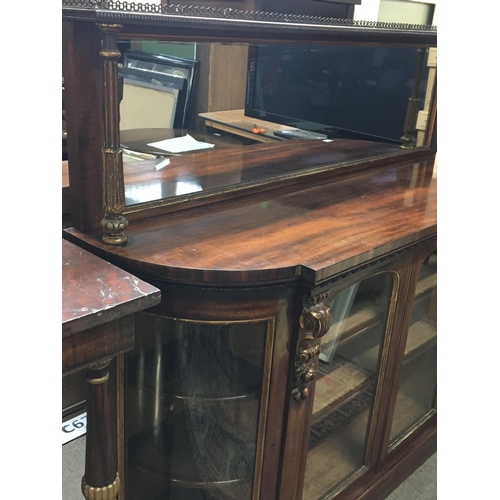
pixel 197 397
pixel 340 382
pixel 414 391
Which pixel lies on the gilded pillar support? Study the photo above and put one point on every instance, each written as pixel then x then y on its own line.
pixel 101 481
pixel 113 222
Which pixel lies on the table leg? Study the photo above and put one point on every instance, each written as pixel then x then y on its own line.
pixel 100 481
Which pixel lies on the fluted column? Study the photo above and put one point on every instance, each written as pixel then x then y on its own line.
pixel 101 481
pixel 113 223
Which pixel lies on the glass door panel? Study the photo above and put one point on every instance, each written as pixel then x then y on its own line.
pixel 345 385
pixel 192 401
pixel 417 386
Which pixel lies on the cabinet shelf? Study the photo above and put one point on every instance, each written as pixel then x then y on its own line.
pixel 156 409
pixel 251 396
pixel 344 449
pixel 179 489
pixel 337 384
pixel 363 318
pixel 193 449
pixel 428 278
pixel 422 335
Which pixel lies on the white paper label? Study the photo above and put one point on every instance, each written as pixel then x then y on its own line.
pixel 74 428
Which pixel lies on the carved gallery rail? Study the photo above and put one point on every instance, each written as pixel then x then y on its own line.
pixel 98 305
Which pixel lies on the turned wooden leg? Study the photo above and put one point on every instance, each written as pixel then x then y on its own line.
pixel 101 481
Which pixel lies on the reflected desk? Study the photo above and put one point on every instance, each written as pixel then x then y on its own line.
pixel 235 122
pixel 99 301
pixel 227 171
pixel 139 138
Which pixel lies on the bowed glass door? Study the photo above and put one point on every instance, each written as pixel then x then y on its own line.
pixel 195 402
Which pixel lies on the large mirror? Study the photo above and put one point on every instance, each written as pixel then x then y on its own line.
pixel 204 117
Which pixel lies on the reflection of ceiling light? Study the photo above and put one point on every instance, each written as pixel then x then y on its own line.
pixel 186 188
pixel 142 194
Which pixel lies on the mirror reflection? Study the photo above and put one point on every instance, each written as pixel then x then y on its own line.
pixel 198 117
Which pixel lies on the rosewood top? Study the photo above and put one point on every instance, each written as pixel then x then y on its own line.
pixel 217 169
pixel 194 175
pixel 96 292
pixel 314 233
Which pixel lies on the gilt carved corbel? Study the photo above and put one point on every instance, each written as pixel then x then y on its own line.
pixel 315 321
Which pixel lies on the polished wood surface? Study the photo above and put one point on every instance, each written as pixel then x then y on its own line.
pixel 84 122
pixel 315 233
pixel 232 167
pixel 202 172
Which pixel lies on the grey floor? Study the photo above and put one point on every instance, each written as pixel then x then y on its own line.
pixel 421 485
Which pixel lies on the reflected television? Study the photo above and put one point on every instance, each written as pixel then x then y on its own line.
pixel 343 92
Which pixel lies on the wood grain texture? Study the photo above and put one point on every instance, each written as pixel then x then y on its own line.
pixel 230 169
pixel 100 448
pixel 99 342
pixel 208 171
pixel 315 233
pixel 82 67
pixel 230 165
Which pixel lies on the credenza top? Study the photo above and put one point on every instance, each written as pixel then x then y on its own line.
pixel 274 236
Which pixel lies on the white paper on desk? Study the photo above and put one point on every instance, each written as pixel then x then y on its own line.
pixel 181 144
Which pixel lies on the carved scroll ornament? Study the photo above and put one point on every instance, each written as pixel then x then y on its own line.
pixel 315 321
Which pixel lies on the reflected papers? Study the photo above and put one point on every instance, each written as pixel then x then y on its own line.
pixel 181 144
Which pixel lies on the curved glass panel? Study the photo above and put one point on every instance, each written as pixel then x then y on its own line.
pixel 345 384
pixel 192 402
pixel 417 386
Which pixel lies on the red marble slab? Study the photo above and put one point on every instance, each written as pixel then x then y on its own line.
pixel 95 292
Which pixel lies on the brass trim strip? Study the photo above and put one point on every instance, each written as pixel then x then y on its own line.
pixel 120 424
pixel 100 365
pixel 112 54
pixel 411 430
pixel 263 408
pixel 98 381
pixel 212 322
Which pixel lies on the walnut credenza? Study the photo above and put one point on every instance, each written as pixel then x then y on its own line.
pixel 293 354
